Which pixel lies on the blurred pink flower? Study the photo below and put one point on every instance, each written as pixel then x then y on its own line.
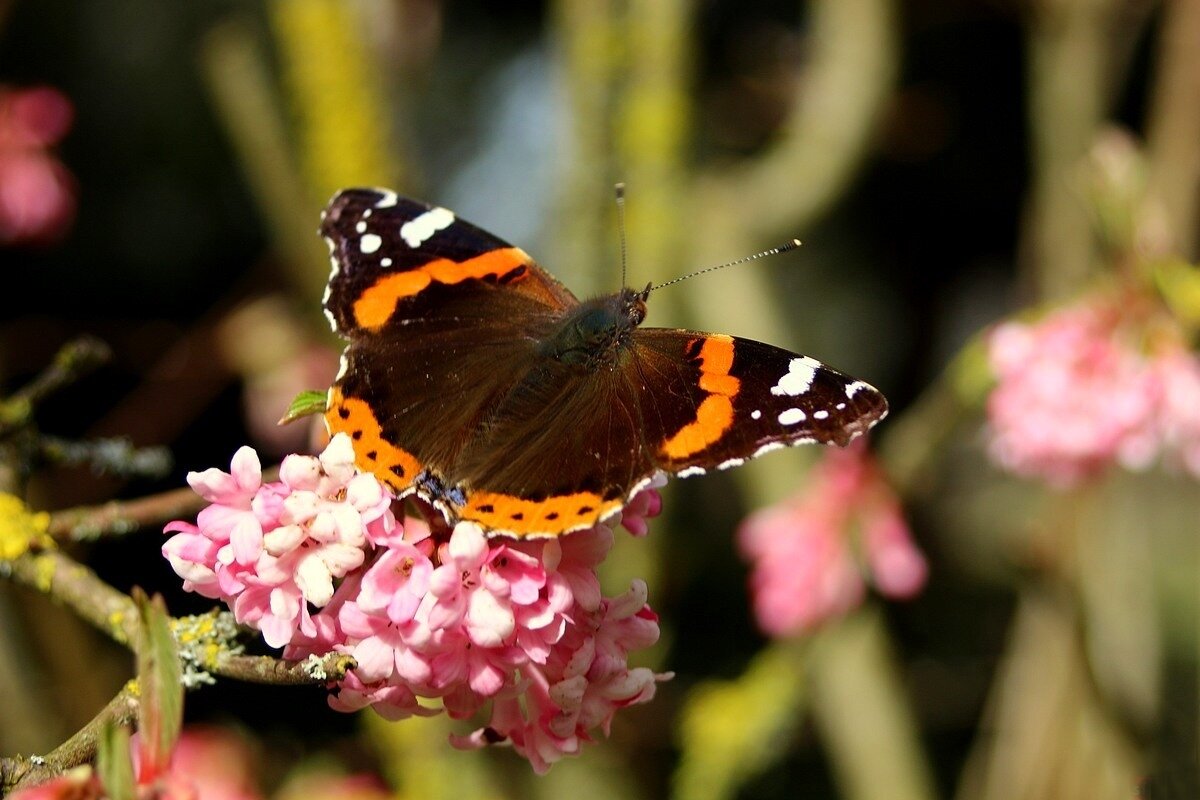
pixel 1071 398
pixel 1178 373
pixel 37 193
pixel 319 564
pixel 804 567
pixel 1078 392
pixel 79 783
pixel 216 761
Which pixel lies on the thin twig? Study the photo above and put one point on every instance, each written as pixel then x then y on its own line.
pixel 74 360
pixel 120 517
pixel 64 579
pixel 124 516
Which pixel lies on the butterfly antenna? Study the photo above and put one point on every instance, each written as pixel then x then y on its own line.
pixel 620 192
pixel 783 248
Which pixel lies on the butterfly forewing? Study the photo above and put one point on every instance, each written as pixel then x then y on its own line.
pixel 396 259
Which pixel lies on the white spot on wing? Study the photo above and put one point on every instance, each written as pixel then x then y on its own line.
pixel 755 414
pixel 822 414
pixel 791 416
pixel 732 462
pixel 388 199
pixel 799 377
pixel 343 366
pixel 369 243
pixel 768 447
pixel 361 227
pixel 417 230
pixel 853 388
pixel 688 472
pixel 385 262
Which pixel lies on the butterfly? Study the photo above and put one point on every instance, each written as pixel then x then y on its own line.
pixel 476 381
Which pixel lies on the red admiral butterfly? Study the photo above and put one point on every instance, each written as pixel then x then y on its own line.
pixel 477 381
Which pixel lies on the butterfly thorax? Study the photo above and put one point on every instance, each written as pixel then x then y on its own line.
pixel 593 335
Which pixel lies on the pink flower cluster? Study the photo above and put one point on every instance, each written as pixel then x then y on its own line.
pixel 809 553
pixel 37 194
pixel 318 562
pixel 1075 396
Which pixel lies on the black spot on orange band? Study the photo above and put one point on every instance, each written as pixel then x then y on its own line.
pixel 550 516
pixel 392 465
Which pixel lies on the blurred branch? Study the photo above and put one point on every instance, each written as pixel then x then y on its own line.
pixel 114 613
pixel 108 456
pixel 591 54
pixel 862 715
pixel 73 361
pixel 1047 736
pixel 653 122
pixel 847 82
pixel 332 78
pixel 721 745
pixel 119 517
pixel 1077 51
pixel 238 80
pixel 57 575
pixel 1174 124
pixel 20 771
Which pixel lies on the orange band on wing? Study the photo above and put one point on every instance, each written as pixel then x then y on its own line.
pixel 714 415
pixel 552 516
pixel 392 465
pixel 375 306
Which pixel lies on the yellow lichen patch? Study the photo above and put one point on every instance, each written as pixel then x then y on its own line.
pixel 21 529
pixel 44 568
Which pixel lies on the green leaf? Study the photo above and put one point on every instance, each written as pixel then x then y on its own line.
pixel 160 715
pixel 307 402
pixel 730 731
pixel 113 763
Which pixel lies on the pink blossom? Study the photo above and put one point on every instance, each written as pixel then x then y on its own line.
pixel 273 550
pixel 1071 397
pixel 643 506
pixel 803 550
pixel 37 193
pixel 518 631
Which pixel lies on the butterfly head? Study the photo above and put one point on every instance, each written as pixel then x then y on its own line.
pixel 594 334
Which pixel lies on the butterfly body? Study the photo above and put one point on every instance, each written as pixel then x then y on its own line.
pixel 478 382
